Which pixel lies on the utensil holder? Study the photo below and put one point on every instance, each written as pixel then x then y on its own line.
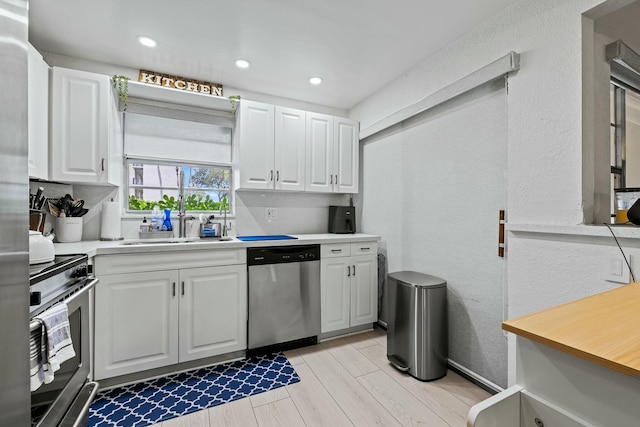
pixel 210 229
pixel 69 229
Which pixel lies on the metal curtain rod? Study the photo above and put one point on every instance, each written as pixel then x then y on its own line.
pixel 498 68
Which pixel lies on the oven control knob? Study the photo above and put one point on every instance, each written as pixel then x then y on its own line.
pixel 80 271
pixel 35 298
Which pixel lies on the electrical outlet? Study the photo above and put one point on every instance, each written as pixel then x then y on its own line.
pixel 271 214
pixel 616 269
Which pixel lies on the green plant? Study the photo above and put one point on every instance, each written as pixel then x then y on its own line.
pixel 121 84
pixel 234 100
pixel 193 202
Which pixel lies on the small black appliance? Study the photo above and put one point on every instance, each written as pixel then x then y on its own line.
pixel 342 219
pixel 634 213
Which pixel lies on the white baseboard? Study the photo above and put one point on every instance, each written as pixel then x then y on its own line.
pixel 482 381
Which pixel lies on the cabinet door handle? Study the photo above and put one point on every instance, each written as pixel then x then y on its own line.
pixel 182 288
pixel 365 249
pixel 102 164
pixel 271 176
pixel 174 289
pixel 336 179
pixel 348 271
pixel 354 270
pixel 336 251
pixel 277 175
pixel 331 179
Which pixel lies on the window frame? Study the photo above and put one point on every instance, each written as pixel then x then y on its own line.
pixel 128 160
pixel 178 112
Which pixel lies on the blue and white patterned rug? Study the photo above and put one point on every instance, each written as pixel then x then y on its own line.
pixel 157 400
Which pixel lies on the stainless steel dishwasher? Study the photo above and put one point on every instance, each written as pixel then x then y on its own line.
pixel 284 297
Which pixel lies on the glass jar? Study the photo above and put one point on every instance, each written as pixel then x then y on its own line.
pixel 625 198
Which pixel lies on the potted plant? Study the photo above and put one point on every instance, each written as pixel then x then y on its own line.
pixel 121 84
pixel 234 100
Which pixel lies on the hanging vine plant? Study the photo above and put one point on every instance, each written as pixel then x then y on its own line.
pixel 234 100
pixel 121 84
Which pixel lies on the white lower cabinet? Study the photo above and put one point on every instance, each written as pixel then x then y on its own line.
pixel 349 285
pixel 151 319
pixel 213 311
pixel 136 323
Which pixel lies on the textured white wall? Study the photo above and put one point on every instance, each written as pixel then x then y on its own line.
pixel 544 103
pixel 551 141
pixel 443 173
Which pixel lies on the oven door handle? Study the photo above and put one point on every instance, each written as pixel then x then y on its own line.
pixel 84 289
pixel 34 325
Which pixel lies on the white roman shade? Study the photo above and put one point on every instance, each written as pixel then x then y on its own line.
pixel 182 140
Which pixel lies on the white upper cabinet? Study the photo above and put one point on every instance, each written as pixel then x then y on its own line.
pixel 345 155
pixel 319 140
pixel 289 149
pixel 332 154
pixel 270 147
pixel 38 115
pixel 280 148
pixel 255 145
pixel 86 131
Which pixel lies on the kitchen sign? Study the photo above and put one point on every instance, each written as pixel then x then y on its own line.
pixel 180 83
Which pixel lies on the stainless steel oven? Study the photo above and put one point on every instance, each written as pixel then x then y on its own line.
pixel 66 400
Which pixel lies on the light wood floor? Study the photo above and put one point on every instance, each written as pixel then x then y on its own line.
pixel 347 382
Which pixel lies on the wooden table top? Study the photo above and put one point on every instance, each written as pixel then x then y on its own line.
pixel 603 328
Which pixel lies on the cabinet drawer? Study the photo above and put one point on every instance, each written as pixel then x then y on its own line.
pixel 364 248
pixel 152 261
pixel 333 250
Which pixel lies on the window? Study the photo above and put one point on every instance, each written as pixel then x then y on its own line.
pixel 151 183
pixel 625 138
pixel 157 148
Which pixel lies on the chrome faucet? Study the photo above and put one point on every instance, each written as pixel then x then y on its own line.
pixel 224 226
pixel 181 212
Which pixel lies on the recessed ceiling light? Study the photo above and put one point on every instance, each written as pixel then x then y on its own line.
pixel 147 41
pixel 242 63
pixel 315 80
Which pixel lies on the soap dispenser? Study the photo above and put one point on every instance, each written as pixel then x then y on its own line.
pixel 166 225
pixel 156 219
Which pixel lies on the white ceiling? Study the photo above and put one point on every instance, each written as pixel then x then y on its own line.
pixel 356 46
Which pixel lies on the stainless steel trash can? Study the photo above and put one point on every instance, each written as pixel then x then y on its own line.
pixel 417 334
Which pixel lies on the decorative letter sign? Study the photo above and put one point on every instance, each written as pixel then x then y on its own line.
pixel 179 83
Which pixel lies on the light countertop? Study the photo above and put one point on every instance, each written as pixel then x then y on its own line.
pixel 97 247
pixel 603 328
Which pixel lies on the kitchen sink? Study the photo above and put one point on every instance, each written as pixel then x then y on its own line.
pixel 160 241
